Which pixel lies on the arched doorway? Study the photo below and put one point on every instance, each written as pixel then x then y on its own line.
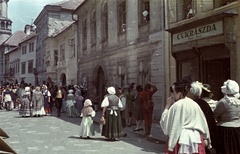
pixel 63 79
pixel 99 83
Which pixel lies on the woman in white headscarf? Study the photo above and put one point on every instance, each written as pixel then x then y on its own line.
pixel 71 109
pixel 227 114
pixel 111 105
pixel 25 110
pixel 86 126
pixel 38 102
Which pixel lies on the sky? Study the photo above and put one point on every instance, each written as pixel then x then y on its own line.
pixel 23 12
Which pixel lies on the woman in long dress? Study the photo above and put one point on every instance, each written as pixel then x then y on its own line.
pixel 38 100
pixel 25 110
pixel 86 126
pixel 111 105
pixel 71 109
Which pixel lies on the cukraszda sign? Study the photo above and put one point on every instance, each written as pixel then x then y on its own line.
pixel 208 30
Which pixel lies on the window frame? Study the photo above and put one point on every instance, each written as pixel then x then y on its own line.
pixel 122 15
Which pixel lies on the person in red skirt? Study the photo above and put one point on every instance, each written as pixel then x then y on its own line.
pixel 184 123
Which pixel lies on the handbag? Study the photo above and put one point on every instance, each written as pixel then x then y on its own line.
pixel 102 121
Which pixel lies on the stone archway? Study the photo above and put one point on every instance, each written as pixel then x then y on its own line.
pixel 99 84
pixel 63 79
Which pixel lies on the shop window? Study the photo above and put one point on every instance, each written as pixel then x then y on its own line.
pixel 105 22
pixel 144 11
pixel 122 17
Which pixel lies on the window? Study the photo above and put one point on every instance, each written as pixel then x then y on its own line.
pixel 84 34
pixel 71 44
pixel 93 38
pixel 105 22
pixel 30 66
pixel 122 17
pixel 31 47
pixel 24 50
pixel 55 57
pixel 62 52
pixel 145 11
pixel 23 67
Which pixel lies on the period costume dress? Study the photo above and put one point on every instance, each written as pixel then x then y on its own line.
pixel 111 112
pixel 186 126
pixel 71 109
pixel 25 110
pixel 38 100
pixel 227 114
pixel 86 126
pixel 79 98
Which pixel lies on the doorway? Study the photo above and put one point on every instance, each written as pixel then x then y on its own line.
pixel 216 72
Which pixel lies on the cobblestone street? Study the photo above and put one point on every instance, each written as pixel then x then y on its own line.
pixel 54 135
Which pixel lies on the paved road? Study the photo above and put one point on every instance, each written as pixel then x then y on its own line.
pixel 53 135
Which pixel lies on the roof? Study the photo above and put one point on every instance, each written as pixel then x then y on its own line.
pixel 68 4
pixel 15 38
pixel 28 37
pixel 57 27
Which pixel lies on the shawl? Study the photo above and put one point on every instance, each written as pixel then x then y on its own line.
pixel 87 111
pixel 183 114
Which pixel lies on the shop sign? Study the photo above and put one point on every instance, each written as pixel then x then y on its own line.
pixel 198 33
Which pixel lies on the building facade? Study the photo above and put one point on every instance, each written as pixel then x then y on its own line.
pixel 204 36
pixel 61 56
pixel 52 19
pixel 122 42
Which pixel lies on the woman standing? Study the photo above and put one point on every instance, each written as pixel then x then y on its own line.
pixel 227 114
pixel 111 105
pixel 47 99
pixel 79 99
pixel 184 123
pixel 71 110
pixel 25 103
pixel 37 99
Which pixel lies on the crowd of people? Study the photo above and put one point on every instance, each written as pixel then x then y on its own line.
pixel 194 123
pixel 39 101
pixel 192 120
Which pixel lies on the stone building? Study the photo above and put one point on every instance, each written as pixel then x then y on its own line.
pixel 62 62
pixel 51 20
pixel 205 40
pixel 123 42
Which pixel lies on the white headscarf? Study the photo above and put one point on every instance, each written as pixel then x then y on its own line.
pixel 230 87
pixel 196 88
pixel 111 90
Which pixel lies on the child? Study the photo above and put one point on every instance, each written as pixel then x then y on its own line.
pixel 86 126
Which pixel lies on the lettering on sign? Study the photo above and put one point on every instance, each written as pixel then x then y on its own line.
pixel 198 33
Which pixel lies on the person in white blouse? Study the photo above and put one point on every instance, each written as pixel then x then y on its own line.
pixel 184 123
pixel 112 105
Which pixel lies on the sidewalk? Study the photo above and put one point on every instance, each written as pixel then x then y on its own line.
pixel 156 132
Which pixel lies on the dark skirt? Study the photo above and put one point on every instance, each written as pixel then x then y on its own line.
pixel 113 127
pixel 228 140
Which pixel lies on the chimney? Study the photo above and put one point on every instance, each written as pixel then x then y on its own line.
pixel 27 29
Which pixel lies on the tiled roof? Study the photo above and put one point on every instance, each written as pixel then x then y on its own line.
pixel 64 27
pixel 68 4
pixel 28 37
pixel 15 38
